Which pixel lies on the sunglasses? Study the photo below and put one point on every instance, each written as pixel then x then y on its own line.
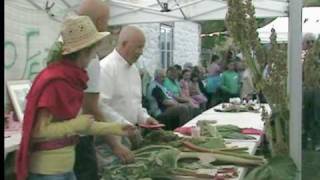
pixel 310 41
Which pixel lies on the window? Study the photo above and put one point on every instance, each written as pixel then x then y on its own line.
pixel 166 45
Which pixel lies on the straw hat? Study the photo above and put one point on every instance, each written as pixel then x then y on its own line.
pixel 79 32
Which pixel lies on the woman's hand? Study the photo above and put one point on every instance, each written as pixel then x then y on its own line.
pixel 128 129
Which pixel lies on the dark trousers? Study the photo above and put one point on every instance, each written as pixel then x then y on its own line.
pixel 226 96
pixel 86 167
pixel 311 117
pixel 175 116
pixel 215 99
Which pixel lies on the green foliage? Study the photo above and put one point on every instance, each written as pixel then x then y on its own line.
pixel 311 2
pixel 310 165
pixel 208 142
pixel 311 67
pixel 168 138
pixel 223 131
pixel 159 161
pixel 242 26
pixel 164 163
pixel 150 162
pixel 219 26
pixel 55 52
pixel 208 42
pixel 279 168
pixel 212 26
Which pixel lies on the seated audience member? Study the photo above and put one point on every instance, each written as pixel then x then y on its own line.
pixel 163 106
pixel 179 70
pixel 173 86
pixel 195 92
pixel 188 65
pixel 185 85
pixel 145 81
pixel 185 81
pixel 202 74
pixel 171 82
pixel 230 82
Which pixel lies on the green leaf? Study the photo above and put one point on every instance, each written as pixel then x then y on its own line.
pixel 208 142
pixel 279 168
pixel 55 52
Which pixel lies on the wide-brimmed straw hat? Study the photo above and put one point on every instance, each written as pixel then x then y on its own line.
pixel 79 32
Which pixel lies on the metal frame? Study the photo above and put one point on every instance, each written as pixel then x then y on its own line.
pixel 14 86
pixel 295 81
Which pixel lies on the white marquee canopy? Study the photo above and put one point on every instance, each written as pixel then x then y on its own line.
pixel 146 11
pixel 151 11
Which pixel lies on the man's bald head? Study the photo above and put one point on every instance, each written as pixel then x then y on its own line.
pixel 131 43
pixel 129 33
pixel 98 11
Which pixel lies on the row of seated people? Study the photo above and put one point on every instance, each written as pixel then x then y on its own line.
pixel 167 102
pixel 175 97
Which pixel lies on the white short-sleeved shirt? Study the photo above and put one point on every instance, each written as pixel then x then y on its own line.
pixel 93 71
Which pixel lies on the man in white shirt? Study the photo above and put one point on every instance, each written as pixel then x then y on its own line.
pixel 121 92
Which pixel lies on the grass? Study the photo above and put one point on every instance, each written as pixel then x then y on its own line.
pixel 310 165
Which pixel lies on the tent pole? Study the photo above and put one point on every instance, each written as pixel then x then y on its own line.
pixel 295 81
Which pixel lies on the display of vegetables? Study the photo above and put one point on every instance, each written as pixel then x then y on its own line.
pixel 165 155
pixel 224 131
pixel 231 107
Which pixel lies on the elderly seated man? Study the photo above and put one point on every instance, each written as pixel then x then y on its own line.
pixel 163 106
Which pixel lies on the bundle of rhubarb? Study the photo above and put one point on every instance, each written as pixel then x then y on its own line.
pixel 165 162
pixel 180 156
pixel 221 131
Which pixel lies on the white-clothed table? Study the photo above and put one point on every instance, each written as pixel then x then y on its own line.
pixel 240 119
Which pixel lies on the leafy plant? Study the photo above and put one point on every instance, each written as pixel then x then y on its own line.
pixel 279 168
pixel 242 26
pixel 311 67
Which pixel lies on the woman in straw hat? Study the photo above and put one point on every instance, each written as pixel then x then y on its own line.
pixel 51 124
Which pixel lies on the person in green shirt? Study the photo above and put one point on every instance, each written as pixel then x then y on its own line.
pixel 173 86
pixel 230 82
pixel 171 82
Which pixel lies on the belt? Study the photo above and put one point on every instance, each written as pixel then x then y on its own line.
pixel 55 144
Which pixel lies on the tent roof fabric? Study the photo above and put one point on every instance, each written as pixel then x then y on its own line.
pixel 149 11
pixel 310 24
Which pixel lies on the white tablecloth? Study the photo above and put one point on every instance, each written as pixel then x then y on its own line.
pixel 240 119
pixel 11 143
